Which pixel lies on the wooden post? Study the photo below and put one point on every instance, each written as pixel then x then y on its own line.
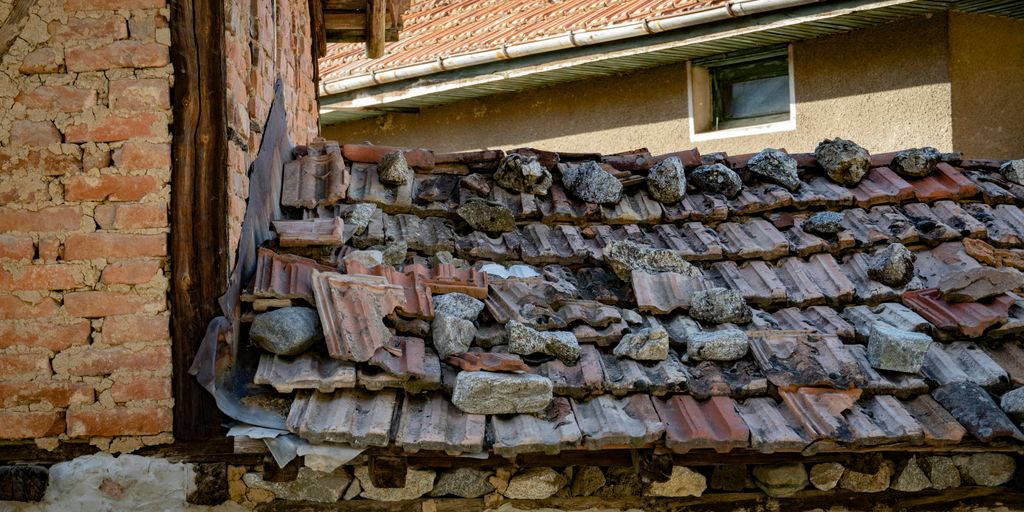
pixel 199 253
pixel 375 21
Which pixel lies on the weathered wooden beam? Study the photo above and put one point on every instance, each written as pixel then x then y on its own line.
pixel 12 26
pixel 357 36
pixel 345 21
pixel 319 34
pixel 199 237
pixel 345 5
pixel 376 20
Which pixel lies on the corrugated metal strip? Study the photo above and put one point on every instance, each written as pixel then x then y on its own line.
pixel 611 66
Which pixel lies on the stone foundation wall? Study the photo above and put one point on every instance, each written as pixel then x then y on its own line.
pixel 264 41
pixel 876 482
pixel 84 172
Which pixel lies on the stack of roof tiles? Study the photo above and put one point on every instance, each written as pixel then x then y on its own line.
pixel 806 384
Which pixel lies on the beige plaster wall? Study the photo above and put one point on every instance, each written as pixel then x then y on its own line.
pixel 886 87
pixel 987 72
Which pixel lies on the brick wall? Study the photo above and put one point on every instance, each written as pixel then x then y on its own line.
pixel 84 172
pixel 264 40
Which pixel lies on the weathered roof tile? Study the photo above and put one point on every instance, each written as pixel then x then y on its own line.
pixel 939 427
pixel 882 382
pixel 285 276
pixel 351 310
pixel 691 425
pixel 608 422
pixel 770 430
pixel 306 371
pixel 366 187
pixel 755 280
pixel 432 422
pixel 882 186
pixel 552 430
pixel 756 238
pixel 318 178
pixel 796 359
pixel 665 292
pixel 355 417
pixel 304 233
pixel 945 183
pixel 966 318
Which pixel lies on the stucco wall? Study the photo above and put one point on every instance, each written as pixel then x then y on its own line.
pixel 886 87
pixel 987 71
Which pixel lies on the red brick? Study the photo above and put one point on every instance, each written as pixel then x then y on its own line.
pixel 112 5
pixel 13 308
pixel 135 328
pixel 60 98
pixel 95 158
pixel 56 276
pixel 56 218
pixel 16 247
pixel 95 361
pixel 49 248
pixel 43 60
pixel 120 421
pixel 137 156
pixel 44 334
pixel 140 94
pixel 119 54
pixel 130 272
pixel 131 215
pixel 44 162
pixel 56 393
pixel 88 246
pixel 114 128
pixel 30 425
pixel 140 388
pixel 107 27
pixel 25 366
pixel 96 304
pixel 34 133
pixel 109 188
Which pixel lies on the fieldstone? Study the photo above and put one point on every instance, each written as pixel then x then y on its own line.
pixel 977 283
pixel 988 469
pixel 369 257
pixel 1013 171
pixel 724 345
pixel 878 481
pixel 360 216
pixel 211 483
pixel 447 258
pixel 893 266
pixel 501 393
pixel 941 472
pixel 417 483
pixel 623 257
pixel 587 480
pixel 523 174
pixel 394 252
pixel 650 344
pixel 732 477
pixel 780 480
pixel 287 331
pixel 458 305
pixel 451 334
pixel 667 181
pixel 309 485
pixel 353 491
pixel 775 166
pixel 683 482
pixel 720 306
pixel 893 349
pixel 463 482
pixel 525 340
pixel 843 160
pixel 910 477
pixel 825 224
pixel 916 163
pixel 589 182
pixel 476 183
pixel 488 216
pixel 825 476
pixel 491 336
pixel 716 179
pixel 534 484
pixel 393 170
pixel 1012 403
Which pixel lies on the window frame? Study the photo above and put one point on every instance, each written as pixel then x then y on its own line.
pixel 701 98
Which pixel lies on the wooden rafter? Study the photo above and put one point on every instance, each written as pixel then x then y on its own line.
pixel 372 21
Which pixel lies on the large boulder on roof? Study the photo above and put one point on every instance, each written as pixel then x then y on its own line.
pixel 843 160
pixel 523 174
pixel 589 182
pixel 666 181
pixel 623 257
pixel 717 179
pixel 916 163
pixel 775 166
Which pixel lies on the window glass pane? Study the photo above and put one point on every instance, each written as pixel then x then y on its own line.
pixel 753 98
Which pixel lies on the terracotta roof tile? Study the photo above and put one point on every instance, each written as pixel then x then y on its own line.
pixel 623 376
pixel 635 208
pixel 665 292
pixel 351 309
pixel 306 371
pixel 285 276
pixel 551 431
pixel 1009 357
pixel 692 240
pixel 759 198
pixel 881 382
pixel 428 235
pixel 478 246
pixel 739 380
pixel 557 206
pixel 891 313
pixel 316 179
pixel 792 360
pixel 756 238
pixel 608 422
pixel 815 318
pixel 855 267
pixel 366 187
pixel 449 429
pixel 755 280
pixel 964 362
pixel 858 224
pixel 406 363
pixel 691 425
pixel 770 430
pixel 881 186
pixel 939 427
pixel 929 225
pixel 1005 223
pixel 522 206
pixel 371 154
pixel 489 361
pixel 969 319
pixel 945 183
pixel 819 191
pixel 542 244
pixel 976 411
pixel 303 233
pixel 579 381
pixel 882 419
pixel 355 417
pixel 819 411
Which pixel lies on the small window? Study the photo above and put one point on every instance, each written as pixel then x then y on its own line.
pixel 749 90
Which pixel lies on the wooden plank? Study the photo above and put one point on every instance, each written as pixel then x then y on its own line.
pixel 344 5
pixel 344 20
pixel 199 235
pixel 319 35
pixel 376 18
pixel 357 36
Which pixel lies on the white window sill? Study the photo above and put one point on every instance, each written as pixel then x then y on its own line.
pixel 757 129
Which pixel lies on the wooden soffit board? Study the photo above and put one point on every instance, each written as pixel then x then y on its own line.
pixel 348 21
